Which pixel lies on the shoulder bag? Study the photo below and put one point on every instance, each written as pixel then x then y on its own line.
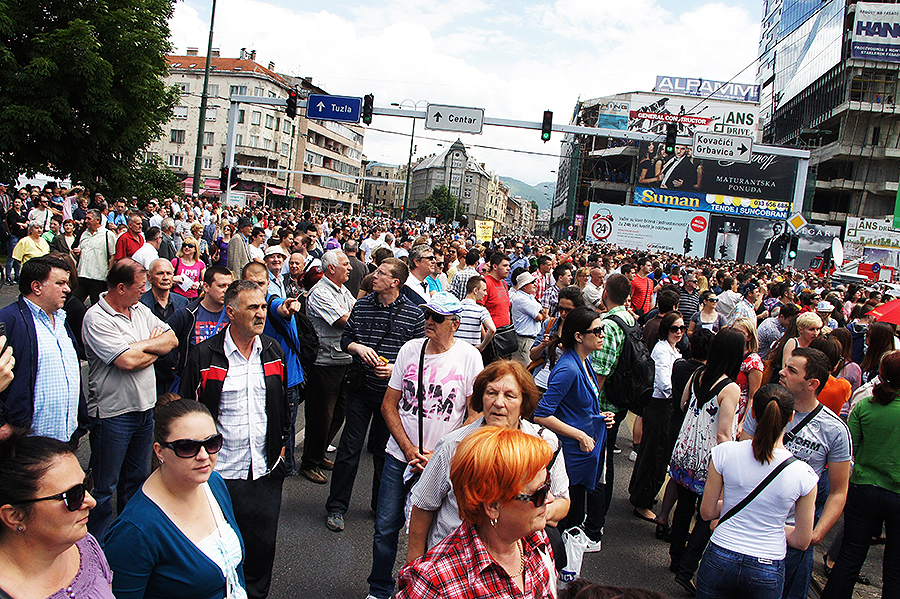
pixel 757 490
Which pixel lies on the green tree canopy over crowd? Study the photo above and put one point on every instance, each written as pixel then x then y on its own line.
pixel 82 90
pixel 438 204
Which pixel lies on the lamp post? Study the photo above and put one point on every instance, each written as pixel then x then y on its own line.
pixel 198 158
pixel 412 139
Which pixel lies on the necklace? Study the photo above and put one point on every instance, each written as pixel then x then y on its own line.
pixel 521 559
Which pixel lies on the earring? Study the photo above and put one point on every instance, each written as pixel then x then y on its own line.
pixel 494 522
pixel 162 461
pixel 20 528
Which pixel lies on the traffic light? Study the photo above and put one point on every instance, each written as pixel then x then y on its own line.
pixel 688 244
pixel 368 105
pixel 792 248
pixel 223 178
pixel 291 110
pixel 671 134
pixel 547 125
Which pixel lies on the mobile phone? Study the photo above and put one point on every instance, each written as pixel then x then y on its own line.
pixel 3 332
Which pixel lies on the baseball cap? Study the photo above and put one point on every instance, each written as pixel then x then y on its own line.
pixel 275 249
pixel 824 306
pixel 443 302
pixel 524 279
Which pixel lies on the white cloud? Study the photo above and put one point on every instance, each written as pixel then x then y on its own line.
pixel 513 60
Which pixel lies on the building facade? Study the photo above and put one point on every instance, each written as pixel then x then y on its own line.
pixel 384 188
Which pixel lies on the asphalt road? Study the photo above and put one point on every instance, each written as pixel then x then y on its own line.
pixel 314 562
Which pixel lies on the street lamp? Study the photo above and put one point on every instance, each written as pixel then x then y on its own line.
pixel 412 139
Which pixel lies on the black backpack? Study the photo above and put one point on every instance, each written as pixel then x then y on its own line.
pixel 306 333
pixel 630 385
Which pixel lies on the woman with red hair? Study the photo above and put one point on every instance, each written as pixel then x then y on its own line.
pixel 500 550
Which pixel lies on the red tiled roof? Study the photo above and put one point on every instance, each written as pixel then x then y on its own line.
pixel 224 64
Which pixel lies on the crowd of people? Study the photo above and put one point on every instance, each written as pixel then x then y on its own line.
pixel 488 379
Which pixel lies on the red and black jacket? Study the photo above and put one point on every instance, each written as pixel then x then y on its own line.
pixel 204 377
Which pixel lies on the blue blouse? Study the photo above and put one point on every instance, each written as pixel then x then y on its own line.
pixel 572 396
pixel 151 558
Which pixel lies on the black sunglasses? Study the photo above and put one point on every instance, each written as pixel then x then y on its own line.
pixel 598 331
pixel 189 448
pixel 539 497
pixel 681 329
pixel 434 316
pixel 73 497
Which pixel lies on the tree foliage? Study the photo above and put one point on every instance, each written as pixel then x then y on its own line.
pixel 81 87
pixel 150 179
pixel 438 204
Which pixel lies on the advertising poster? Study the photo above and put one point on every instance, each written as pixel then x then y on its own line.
pixel 484 230
pixel 875 240
pixel 650 113
pixel 767 242
pixel 683 200
pixel 720 90
pixel 876 32
pixel 647 229
pixel 727 239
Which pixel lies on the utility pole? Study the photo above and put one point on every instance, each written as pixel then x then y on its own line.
pixel 198 159
pixel 412 139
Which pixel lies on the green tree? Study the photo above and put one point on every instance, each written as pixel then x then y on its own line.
pixel 438 204
pixel 81 87
pixel 150 179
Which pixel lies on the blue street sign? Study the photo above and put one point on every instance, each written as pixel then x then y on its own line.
pixel 333 108
pixel 876 268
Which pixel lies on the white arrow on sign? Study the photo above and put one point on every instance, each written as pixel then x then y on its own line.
pixel 440 117
pixel 320 106
pixel 717 146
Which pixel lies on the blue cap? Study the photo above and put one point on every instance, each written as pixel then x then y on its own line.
pixel 443 302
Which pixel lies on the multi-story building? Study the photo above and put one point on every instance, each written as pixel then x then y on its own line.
pixel 264 137
pixel 326 154
pixel 384 188
pixel 817 95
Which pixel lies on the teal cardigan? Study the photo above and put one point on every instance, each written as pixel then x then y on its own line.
pixel 151 558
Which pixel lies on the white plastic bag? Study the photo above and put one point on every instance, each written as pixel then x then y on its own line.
pixel 575 541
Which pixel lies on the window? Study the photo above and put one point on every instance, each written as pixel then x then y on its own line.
pixel 254 141
pixel 267 144
pixel 212 89
pixel 277 123
pixel 240 116
pixel 272 94
pixel 238 140
pixel 184 88
pixel 286 126
pixel 876 135
pixel 177 136
pixel 270 121
pixel 255 117
pixel 238 90
pixel 176 160
pixel 259 92
pixel 208 138
pixel 285 149
pixel 468 178
pixel 210 113
pixel 180 112
pixel 207 163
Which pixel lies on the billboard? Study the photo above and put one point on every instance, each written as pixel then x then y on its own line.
pixel 647 229
pixel 720 90
pixel 650 113
pixel 873 240
pixel 754 241
pixel 876 32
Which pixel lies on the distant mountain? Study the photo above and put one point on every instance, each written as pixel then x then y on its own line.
pixel 542 193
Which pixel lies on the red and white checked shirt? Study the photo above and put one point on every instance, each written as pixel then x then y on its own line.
pixel 460 567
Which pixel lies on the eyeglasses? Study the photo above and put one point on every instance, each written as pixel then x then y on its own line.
pixel 188 245
pixel 562 310
pixel 680 329
pixel 427 258
pixel 712 300
pixel 539 497
pixel 73 497
pixel 189 448
pixel 434 316
pixel 598 331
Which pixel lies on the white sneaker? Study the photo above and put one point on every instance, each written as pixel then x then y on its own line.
pixel 332 449
pixel 632 457
pixel 592 546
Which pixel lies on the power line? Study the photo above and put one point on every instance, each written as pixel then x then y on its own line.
pixel 467 145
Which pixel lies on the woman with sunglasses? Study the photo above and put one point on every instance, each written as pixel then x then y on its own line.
pixel 505 393
pixel 708 317
pixel 45 549
pixel 500 548
pixel 570 408
pixel 189 269
pixel 654 452
pixel 177 537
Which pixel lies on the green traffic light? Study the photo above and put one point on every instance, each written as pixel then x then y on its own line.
pixel 545 136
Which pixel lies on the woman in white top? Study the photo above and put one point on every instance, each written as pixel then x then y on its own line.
pixel 177 537
pixel 653 455
pixel 745 555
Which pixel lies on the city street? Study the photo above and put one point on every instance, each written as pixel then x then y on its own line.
pixel 314 562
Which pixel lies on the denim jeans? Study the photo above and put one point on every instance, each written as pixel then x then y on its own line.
pixel 389 519
pixel 363 413
pixel 724 574
pixel 295 397
pixel 867 506
pixel 120 461
pixel 798 565
pixel 12 263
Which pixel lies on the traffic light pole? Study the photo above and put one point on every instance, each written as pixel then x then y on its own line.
pixel 204 100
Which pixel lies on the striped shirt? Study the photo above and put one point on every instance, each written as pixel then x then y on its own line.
pixel 688 304
pixel 242 414
pixel 368 322
pixel 471 318
pixel 57 385
pixel 460 279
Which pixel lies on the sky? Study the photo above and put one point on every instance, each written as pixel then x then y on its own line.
pixel 513 59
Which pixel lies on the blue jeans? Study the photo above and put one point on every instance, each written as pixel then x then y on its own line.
pixel 120 461
pixel 867 506
pixel 798 565
pixel 389 519
pixel 363 413
pixel 725 574
pixel 11 263
pixel 295 397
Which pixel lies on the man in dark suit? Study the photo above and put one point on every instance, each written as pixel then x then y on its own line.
pixel 358 270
